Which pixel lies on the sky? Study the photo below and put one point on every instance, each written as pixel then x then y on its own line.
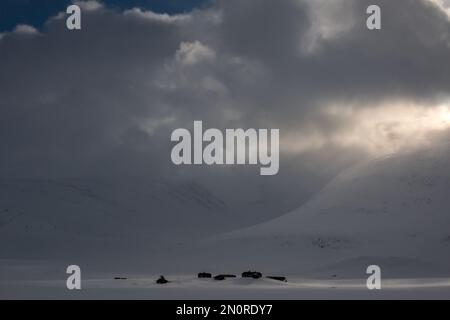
pixel 36 12
pixel 103 101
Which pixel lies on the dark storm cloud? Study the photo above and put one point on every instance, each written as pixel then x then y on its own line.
pixel 408 58
pixel 70 100
pixel 104 100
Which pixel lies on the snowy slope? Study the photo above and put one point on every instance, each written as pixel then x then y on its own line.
pixel 393 211
pixel 54 218
pixel 403 195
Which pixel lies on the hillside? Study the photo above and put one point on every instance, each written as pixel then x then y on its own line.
pixel 393 211
pixel 59 218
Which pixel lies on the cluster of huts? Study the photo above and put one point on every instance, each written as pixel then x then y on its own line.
pixel 221 277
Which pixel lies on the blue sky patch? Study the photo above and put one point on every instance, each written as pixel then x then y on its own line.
pixel 36 12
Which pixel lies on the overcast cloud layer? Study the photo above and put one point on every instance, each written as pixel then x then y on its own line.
pixel 103 101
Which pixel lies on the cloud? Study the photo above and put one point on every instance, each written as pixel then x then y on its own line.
pixel 159 17
pixel 443 5
pixel 191 53
pixel 20 30
pixel 389 128
pixel 90 5
pixel 25 29
pixel 103 100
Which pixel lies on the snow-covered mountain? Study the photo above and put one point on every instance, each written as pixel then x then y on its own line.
pixel 59 217
pixel 392 211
